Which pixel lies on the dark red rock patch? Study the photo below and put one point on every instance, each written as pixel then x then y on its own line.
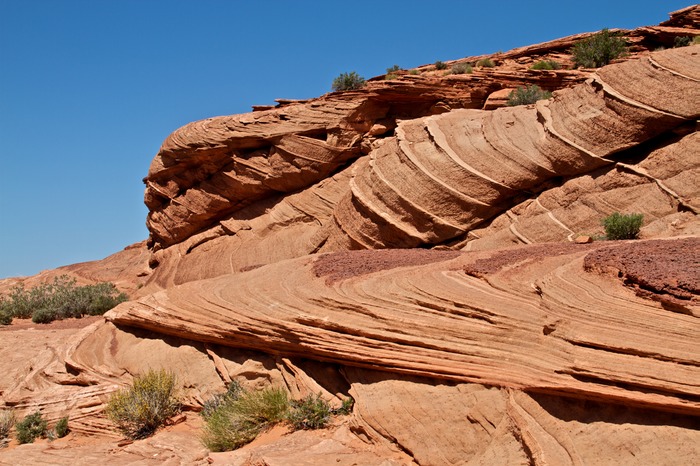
pixel 339 266
pixel 522 255
pixel 667 271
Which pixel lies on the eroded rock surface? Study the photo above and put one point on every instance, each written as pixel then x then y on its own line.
pixel 500 341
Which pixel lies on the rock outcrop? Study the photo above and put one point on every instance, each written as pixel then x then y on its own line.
pixel 402 246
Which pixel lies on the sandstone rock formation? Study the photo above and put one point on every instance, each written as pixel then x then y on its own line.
pixel 273 260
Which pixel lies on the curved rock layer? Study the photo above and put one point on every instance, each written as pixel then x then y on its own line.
pixel 538 322
pixel 446 174
pixel 663 186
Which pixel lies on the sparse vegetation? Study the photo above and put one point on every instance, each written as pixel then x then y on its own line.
pixel 139 410
pixel 7 420
pixel 345 407
pixel 30 428
pixel 546 65
pixel 312 412
pixel 58 300
pixel 391 72
pixel 485 63
pixel 461 68
pixel 236 417
pixel 682 41
pixel 61 429
pixel 618 226
pixel 348 82
pixel 439 65
pixel 599 49
pixel 527 95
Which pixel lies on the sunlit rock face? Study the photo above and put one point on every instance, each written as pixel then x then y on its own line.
pixel 404 247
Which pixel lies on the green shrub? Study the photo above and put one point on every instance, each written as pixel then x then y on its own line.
pixel 391 76
pixel 461 68
pixel 439 65
pixel 546 65
pixel 527 95
pixel 233 392
pixel 238 420
pixel 619 226
pixel 682 41
pixel 61 429
pixel 696 40
pixel 312 412
pixel 599 49
pixel 58 300
pixel 345 407
pixel 150 401
pixel 7 420
pixel 348 82
pixel 393 69
pixel 414 72
pixel 485 63
pixel 31 427
pixel 5 311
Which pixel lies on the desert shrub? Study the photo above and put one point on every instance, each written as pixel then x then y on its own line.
pixel 61 429
pixel 527 95
pixel 348 82
pixel 311 412
pixel 485 63
pixel 7 420
pixel 391 73
pixel 546 65
pixel 618 226
pixel 345 407
pixel 139 410
pixel 682 41
pixel 599 49
pixel 414 72
pixel 696 40
pixel 238 419
pixel 31 427
pixel 233 392
pixel 440 65
pixel 58 300
pixel 461 68
pixel 5 311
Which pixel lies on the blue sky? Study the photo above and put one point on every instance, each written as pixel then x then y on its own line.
pixel 89 89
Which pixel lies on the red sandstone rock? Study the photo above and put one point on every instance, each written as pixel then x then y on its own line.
pixel 536 354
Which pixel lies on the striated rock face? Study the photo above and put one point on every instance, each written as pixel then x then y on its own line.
pixel 434 261
pixel 444 179
pixel 444 320
pixel 446 174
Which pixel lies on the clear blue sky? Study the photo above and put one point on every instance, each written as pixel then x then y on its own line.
pixel 89 89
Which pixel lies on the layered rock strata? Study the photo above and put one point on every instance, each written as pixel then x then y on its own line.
pixel 444 175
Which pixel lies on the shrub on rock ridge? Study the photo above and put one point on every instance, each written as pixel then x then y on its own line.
pixel 58 300
pixel 461 68
pixel 527 95
pixel 348 82
pixel 599 49
pixel 546 65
